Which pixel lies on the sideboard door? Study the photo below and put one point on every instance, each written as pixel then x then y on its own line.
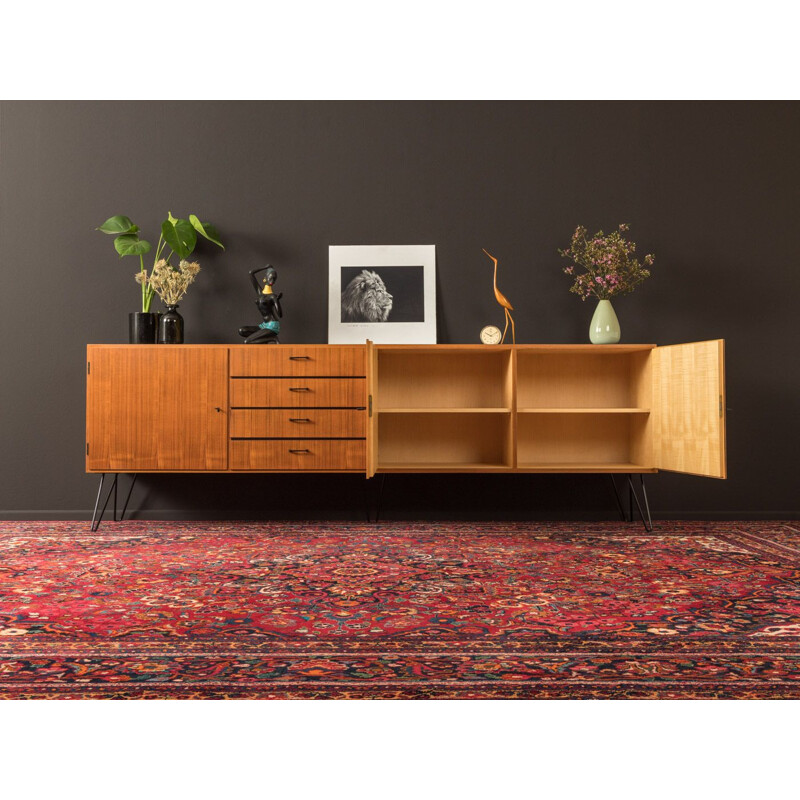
pixel 372 409
pixel 157 407
pixel 688 412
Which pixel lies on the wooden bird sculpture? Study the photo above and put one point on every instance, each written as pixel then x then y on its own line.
pixel 503 300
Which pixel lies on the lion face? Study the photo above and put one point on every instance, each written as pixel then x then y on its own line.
pixel 365 299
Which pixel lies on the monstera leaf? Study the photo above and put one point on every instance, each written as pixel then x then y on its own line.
pixel 206 229
pixel 117 225
pixel 179 235
pixel 131 245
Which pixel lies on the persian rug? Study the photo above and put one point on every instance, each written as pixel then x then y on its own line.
pixel 446 610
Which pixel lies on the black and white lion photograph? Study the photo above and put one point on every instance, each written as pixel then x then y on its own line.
pixel 383 294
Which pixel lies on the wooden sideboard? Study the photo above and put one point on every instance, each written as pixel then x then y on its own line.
pixel 406 408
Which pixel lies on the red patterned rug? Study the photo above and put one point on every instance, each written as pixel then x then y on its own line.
pixel 449 610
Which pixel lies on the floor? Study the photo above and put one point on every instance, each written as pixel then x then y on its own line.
pixel 413 610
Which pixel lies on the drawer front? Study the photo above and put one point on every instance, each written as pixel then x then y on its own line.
pixel 280 360
pixel 298 393
pixel 289 423
pixel 298 454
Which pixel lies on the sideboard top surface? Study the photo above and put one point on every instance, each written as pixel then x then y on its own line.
pixel 483 348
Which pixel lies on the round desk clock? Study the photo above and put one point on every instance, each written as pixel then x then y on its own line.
pixel 491 335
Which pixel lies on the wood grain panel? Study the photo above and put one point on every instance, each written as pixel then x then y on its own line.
pixel 298 392
pixel 154 407
pixel 292 423
pixel 582 379
pixel 689 408
pixel 444 439
pixel 596 439
pixel 460 378
pixel 281 360
pixel 299 454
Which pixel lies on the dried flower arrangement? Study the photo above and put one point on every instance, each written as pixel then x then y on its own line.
pixel 608 264
pixel 180 235
pixel 168 282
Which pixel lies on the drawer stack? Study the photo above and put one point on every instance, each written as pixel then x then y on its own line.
pixel 298 408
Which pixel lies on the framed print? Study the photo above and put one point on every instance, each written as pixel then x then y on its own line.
pixel 386 293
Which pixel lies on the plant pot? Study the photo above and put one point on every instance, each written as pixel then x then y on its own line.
pixel 170 327
pixel 604 327
pixel 142 327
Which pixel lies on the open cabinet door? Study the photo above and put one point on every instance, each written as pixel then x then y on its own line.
pixel 689 408
pixel 372 409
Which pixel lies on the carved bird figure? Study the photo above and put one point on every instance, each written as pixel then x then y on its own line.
pixel 503 300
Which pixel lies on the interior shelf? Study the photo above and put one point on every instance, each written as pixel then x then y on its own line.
pixel 442 466
pixel 583 410
pixel 578 466
pixel 445 410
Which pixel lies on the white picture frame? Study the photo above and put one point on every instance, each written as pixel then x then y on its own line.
pixel 406 272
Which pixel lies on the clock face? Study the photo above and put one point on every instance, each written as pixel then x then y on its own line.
pixel 491 335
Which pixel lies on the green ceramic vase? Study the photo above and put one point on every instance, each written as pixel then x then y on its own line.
pixel 604 327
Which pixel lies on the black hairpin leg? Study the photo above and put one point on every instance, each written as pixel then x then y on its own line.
pixel 646 521
pixel 127 499
pixel 380 497
pixel 96 520
pixel 622 515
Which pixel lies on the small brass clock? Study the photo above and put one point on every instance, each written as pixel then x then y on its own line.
pixel 491 335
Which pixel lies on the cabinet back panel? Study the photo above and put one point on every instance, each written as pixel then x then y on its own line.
pixel 578 438
pixel 444 438
pixel 408 379
pixel 579 380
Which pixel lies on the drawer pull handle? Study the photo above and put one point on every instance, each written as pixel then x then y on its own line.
pixel 299 451
pixel 299 419
pixel 299 358
pixel 299 389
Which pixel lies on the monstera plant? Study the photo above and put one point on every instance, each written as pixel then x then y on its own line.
pixel 179 235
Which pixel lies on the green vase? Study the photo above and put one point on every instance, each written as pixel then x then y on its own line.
pixel 604 327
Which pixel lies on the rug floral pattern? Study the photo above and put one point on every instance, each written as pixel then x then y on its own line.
pixel 444 610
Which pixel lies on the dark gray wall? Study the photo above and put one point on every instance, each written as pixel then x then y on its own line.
pixel 711 188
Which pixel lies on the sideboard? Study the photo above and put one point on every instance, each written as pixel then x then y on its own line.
pixel 633 408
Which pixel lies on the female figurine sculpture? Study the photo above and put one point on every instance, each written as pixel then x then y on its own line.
pixel 269 304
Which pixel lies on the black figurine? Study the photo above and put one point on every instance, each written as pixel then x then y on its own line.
pixel 269 304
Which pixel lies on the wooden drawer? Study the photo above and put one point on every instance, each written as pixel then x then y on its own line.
pixel 298 392
pixel 280 360
pixel 298 454
pixel 289 423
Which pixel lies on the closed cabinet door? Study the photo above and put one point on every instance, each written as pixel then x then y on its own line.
pixel 689 408
pixel 156 407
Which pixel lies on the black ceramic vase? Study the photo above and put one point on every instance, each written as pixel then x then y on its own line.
pixel 142 327
pixel 170 327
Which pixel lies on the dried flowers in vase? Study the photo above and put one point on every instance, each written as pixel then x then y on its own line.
pixel 168 282
pixel 604 266
pixel 607 261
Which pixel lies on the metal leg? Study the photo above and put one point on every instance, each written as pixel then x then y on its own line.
pixel 97 501
pixel 380 497
pixel 630 500
pixel 622 514
pixel 646 503
pixel 648 522
pixel 127 499
pixel 368 498
pixel 113 488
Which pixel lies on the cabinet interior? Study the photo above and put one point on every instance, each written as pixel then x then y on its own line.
pixel 524 408
pixel 421 378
